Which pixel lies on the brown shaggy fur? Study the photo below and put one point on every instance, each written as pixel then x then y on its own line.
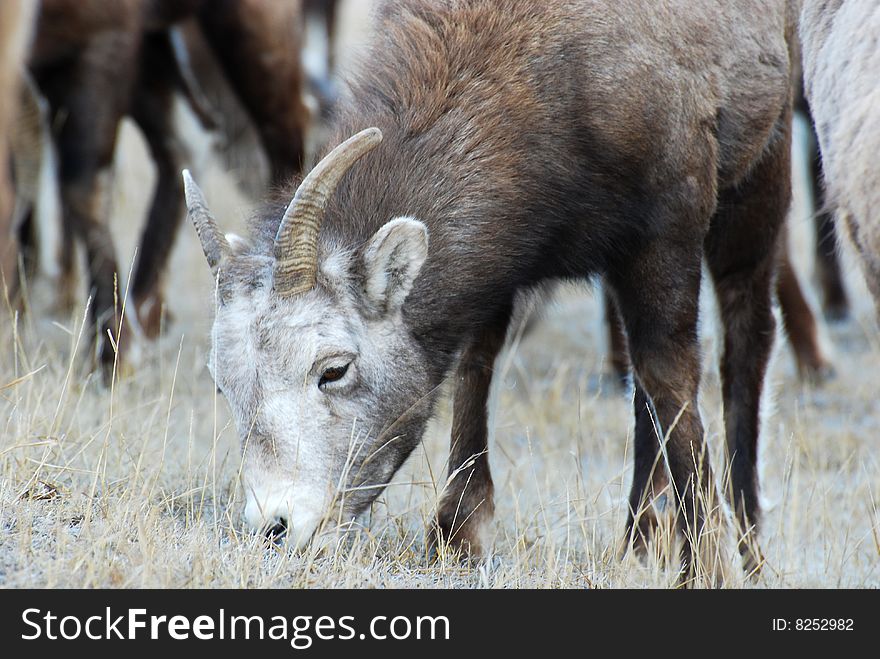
pixel 563 140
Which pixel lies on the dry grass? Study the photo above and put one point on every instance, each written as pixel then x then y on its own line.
pixel 137 485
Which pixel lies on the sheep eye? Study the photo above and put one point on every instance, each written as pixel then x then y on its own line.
pixel 333 374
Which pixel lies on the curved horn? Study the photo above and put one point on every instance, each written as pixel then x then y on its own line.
pixel 213 241
pixel 296 243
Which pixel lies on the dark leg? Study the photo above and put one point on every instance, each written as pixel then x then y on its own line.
pixel 800 324
pixel 661 324
pixel 466 507
pixel 322 86
pixel 661 329
pixel 649 467
pixel 152 110
pixel 68 295
pixel 83 203
pixel 264 70
pixel 834 299
pixel 741 249
pixel 618 354
pixel 649 474
pixel 88 97
pixel 27 241
pixel 330 24
pixel 325 9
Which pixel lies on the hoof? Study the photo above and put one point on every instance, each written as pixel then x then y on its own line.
pixel 113 355
pixel 467 539
pixel 752 558
pixel 151 312
pixel 815 370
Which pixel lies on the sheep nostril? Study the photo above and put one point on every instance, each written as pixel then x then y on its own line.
pixel 278 530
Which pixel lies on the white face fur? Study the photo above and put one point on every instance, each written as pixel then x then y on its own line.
pixel 316 382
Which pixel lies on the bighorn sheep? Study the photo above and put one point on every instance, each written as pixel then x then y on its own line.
pixel 96 62
pixel 841 63
pixel 508 144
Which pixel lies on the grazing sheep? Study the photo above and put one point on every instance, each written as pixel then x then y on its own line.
pixel 512 144
pixel 841 55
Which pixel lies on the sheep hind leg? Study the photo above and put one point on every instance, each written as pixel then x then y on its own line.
pixel 618 356
pixel 799 321
pixel 153 111
pixel 741 252
pixel 661 325
pixel 835 302
pixel 92 94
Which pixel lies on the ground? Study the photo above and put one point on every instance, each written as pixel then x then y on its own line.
pixel 136 485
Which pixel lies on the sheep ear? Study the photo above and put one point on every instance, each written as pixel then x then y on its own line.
pixel 392 260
